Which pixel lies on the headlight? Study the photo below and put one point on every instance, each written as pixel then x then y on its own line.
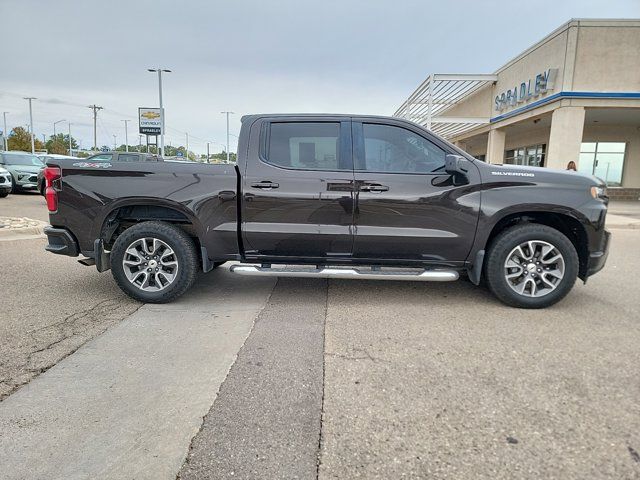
pixel 599 192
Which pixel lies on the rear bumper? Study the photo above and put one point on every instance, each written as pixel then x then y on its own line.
pixel 61 242
pixel 598 258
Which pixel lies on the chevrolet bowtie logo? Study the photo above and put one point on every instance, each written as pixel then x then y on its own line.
pixel 150 115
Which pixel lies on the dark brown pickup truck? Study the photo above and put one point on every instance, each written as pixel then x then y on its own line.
pixel 332 196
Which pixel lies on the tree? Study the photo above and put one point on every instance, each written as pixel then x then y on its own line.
pixel 19 139
pixel 59 144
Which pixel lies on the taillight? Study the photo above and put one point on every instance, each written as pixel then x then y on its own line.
pixel 51 174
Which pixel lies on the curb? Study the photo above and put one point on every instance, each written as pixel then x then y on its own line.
pixel 21 233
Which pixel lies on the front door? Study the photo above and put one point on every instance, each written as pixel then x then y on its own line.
pixel 407 206
pixel 298 193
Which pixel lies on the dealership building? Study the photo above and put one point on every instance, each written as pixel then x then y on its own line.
pixel 573 96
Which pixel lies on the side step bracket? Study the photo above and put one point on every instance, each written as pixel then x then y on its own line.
pixel 412 275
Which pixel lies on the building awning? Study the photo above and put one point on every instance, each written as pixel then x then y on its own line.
pixel 428 104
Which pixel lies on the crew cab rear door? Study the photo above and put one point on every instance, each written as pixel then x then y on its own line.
pixel 298 188
pixel 407 206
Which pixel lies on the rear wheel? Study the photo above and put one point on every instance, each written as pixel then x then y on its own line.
pixel 4 193
pixel 154 262
pixel 531 266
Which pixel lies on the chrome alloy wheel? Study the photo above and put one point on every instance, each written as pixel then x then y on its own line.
pixel 534 268
pixel 150 264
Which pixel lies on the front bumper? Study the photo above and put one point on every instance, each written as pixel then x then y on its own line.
pixel 598 258
pixel 61 242
pixel 26 181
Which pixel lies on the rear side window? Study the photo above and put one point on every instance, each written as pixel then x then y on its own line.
pixel 390 149
pixel 304 145
pixel 127 157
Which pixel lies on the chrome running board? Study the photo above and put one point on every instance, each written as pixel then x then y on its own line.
pixel 412 275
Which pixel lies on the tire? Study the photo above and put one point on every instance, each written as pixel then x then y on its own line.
pixel 167 249
pixel 528 255
pixel 4 193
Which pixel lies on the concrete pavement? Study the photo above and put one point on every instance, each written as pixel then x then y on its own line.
pixel 265 422
pixel 127 404
pixel 442 381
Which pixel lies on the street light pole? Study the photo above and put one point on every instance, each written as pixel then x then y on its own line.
pixel 207 152
pixel 227 114
pixel 115 147
pixel 33 144
pixel 54 126
pixel 187 147
pixel 70 145
pixel 126 135
pixel 5 135
pixel 95 109
pixel 160 70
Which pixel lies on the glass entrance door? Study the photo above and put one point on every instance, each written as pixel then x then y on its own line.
pixel 604 160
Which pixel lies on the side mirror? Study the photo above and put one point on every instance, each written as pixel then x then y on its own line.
pixel 456 164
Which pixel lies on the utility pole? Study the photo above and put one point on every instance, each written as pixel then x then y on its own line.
pixel 207 152
pixel 44 138
pixel 227 113
pixel 33 144
pixel 5 135
pixel 187 148
pixel 95 109
pixel 54 126
pixel 70 144
pixel 114 144
pixel 160 71
pixel 126 135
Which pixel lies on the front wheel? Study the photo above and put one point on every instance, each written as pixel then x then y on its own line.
pixel 531 266
pixel 154 262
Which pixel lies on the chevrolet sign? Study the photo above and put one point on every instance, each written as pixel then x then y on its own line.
pixel 150 121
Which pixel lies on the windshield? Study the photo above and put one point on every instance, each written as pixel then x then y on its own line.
pixel 22 159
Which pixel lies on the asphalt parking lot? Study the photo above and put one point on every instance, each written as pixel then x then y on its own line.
pixel 313 379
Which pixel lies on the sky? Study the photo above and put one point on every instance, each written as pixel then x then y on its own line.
pixel 250 56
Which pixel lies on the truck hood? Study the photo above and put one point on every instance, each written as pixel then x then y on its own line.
pixel 510 173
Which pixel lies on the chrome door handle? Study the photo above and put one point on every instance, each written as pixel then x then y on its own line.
pixel 265 185
pixel 374 188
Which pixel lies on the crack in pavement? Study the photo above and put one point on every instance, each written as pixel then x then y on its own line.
pixel 76 329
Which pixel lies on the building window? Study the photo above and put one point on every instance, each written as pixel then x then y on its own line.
pixel 605 160
pixel 531 156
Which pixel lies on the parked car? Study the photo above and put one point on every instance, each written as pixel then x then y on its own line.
pixel 123 157
pixel 24 169
pixel 45 158
pixel 100 157
pixel 333 196
pixel 5 182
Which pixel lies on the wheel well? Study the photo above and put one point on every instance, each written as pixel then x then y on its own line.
pixel 124 217
pixel 565 224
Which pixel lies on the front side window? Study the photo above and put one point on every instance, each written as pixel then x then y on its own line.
pixel 389 149
pixel 605 160
pixel 304 146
